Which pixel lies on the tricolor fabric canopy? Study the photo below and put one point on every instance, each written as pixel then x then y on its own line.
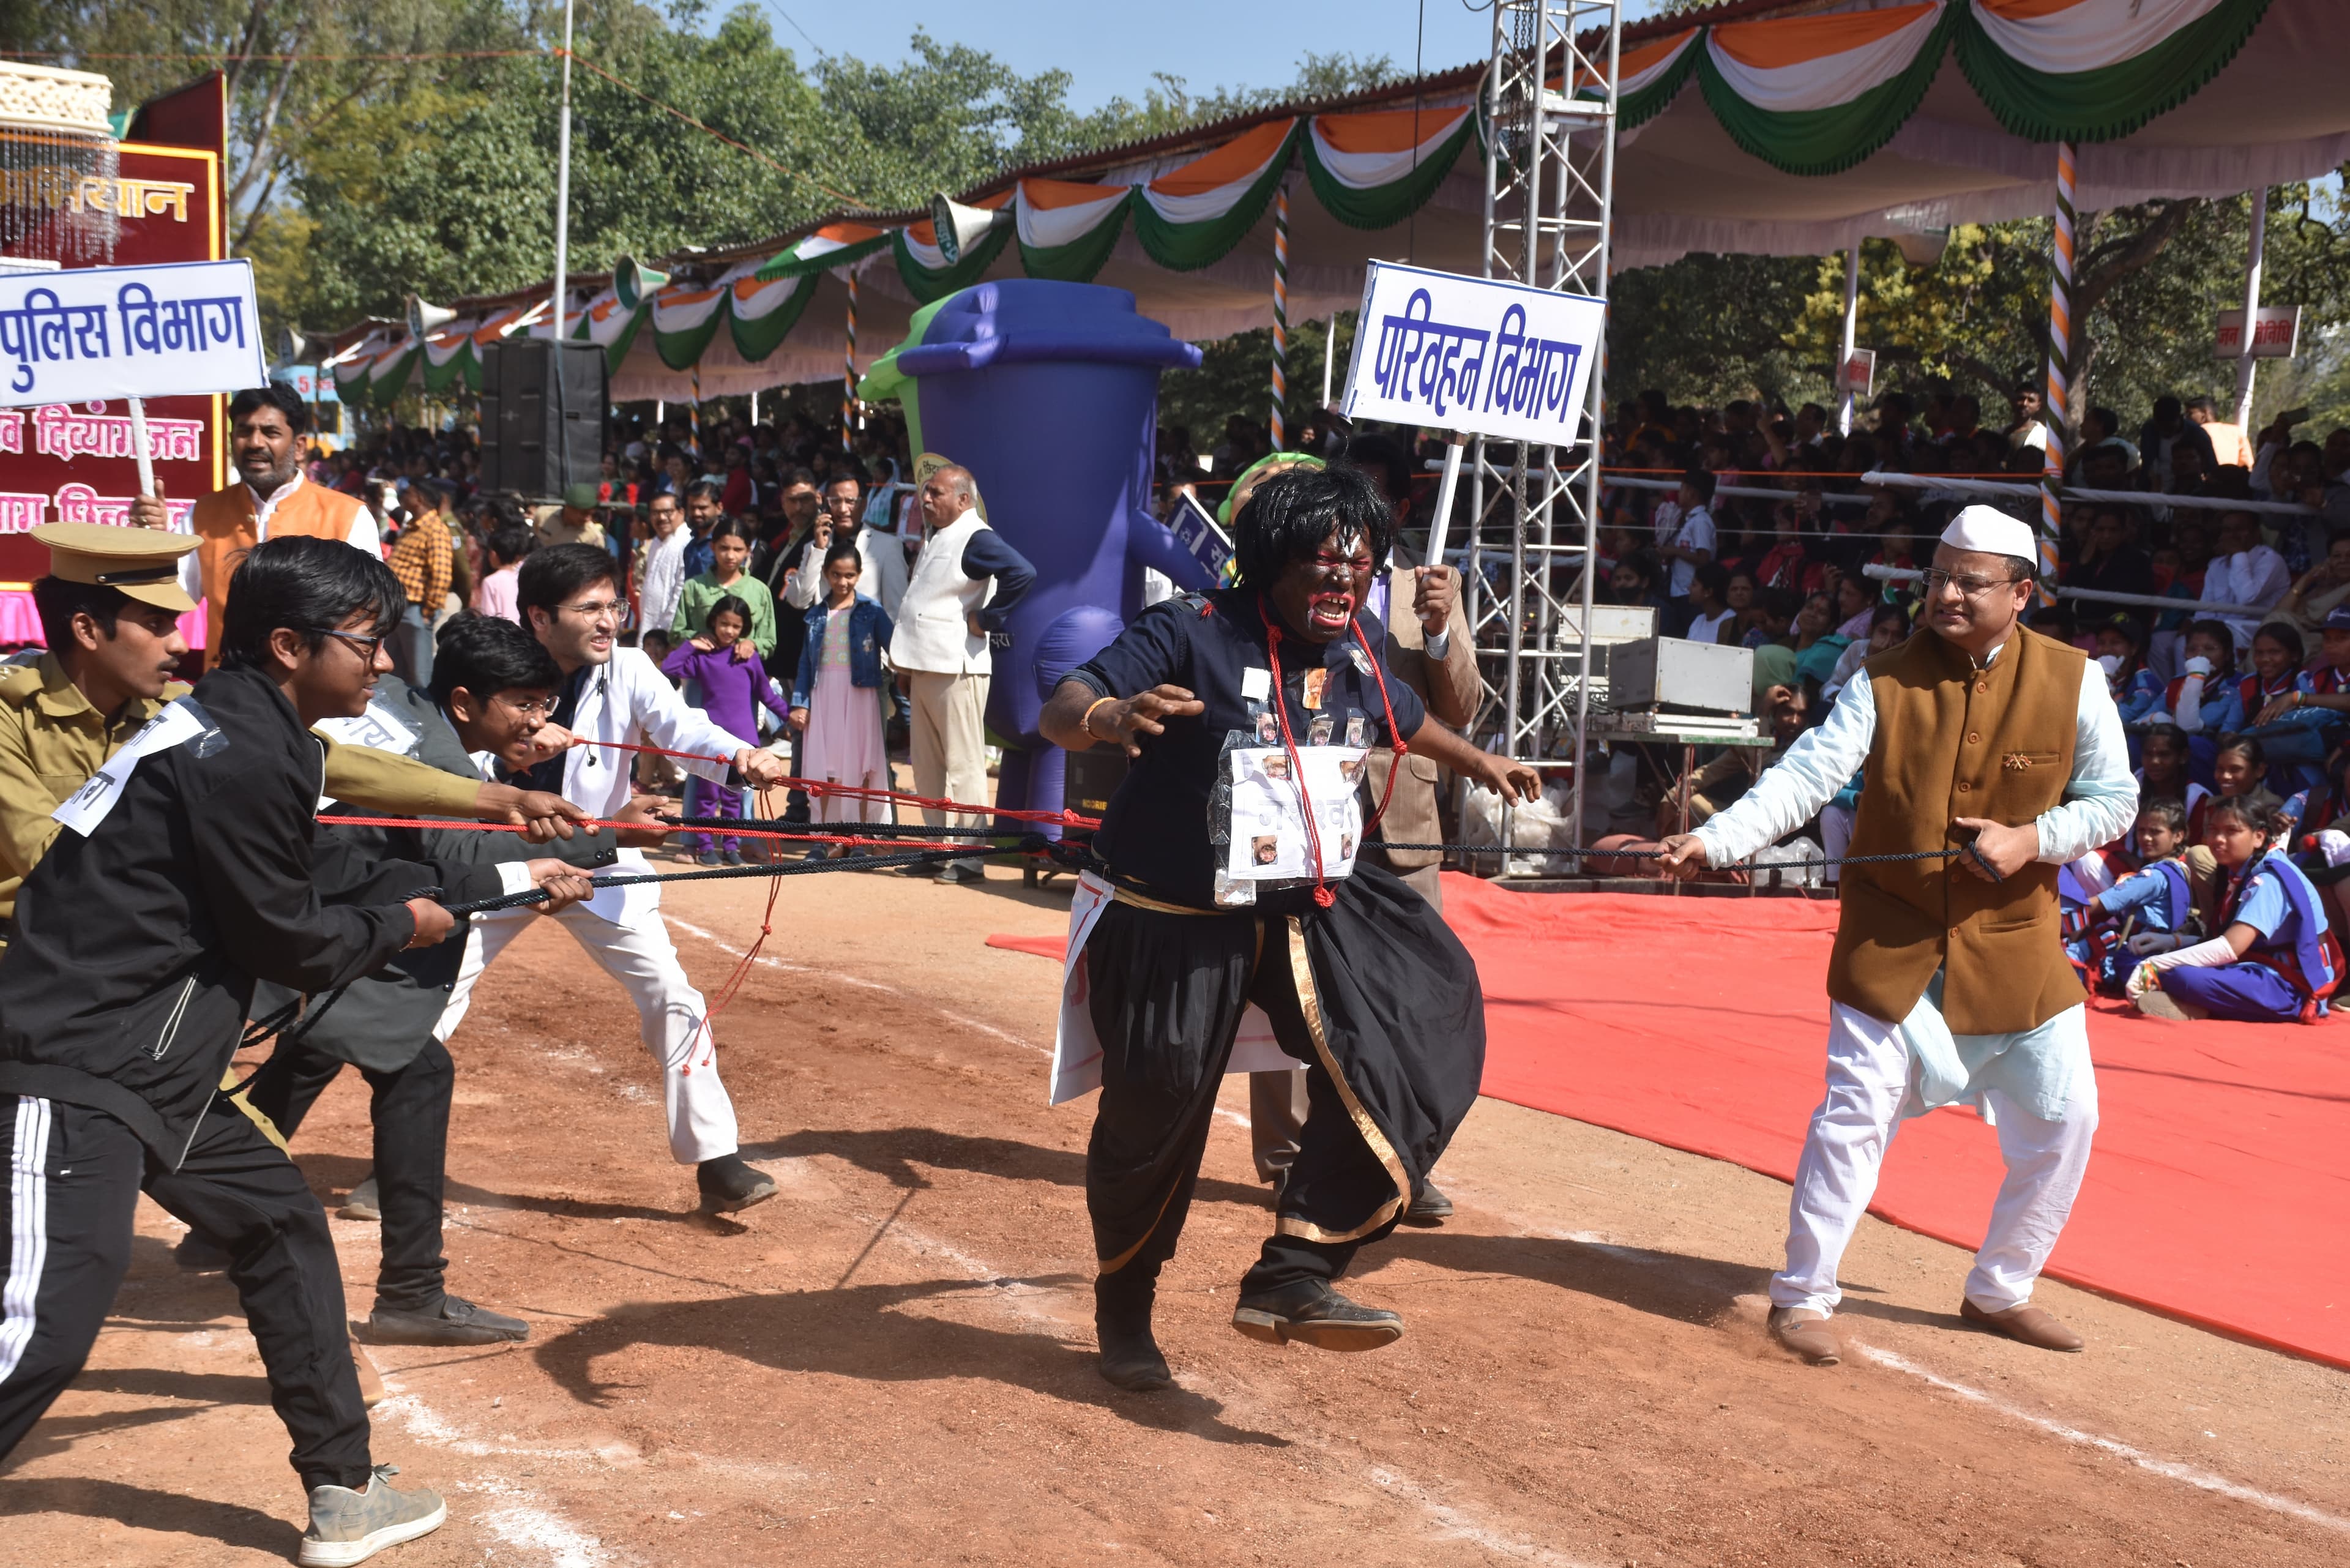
pixel 1789 135
pixel 1797 135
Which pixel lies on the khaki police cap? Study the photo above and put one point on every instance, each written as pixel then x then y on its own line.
pixel 143 563
pixel 929 463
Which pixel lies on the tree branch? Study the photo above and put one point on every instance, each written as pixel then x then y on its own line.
pixel 252 215
pixel 246 43
pixel 1990 377
pixel 253 162
pixel 2091 286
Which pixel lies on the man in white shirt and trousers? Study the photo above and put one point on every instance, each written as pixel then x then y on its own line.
pixel 1949 983
pixel 570 597
pixel 964 584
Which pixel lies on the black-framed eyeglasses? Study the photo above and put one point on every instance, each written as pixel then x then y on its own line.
pixel 1933 580
pixel 364 645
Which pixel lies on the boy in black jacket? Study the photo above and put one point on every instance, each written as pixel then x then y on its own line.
pixel 186 874
pixel 492 686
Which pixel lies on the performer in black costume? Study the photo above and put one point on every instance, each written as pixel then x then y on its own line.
pixel 1363 981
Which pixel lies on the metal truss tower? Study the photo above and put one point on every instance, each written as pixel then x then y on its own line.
pixel 1550 175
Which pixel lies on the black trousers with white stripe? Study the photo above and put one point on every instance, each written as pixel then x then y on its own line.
pixel 72 1181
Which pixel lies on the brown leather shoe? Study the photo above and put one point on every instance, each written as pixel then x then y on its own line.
pixel 2026 1325
pixel 370 1380
pixel 1805 1332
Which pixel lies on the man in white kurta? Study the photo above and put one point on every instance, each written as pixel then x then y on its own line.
pixel 2035 1086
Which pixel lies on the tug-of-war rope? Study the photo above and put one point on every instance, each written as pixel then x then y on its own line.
pixel 880 847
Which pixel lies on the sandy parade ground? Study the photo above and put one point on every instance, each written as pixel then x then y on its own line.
pixel 892 1361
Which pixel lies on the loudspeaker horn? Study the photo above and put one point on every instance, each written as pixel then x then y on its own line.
pixel 1923 247
pixel 293 348
pixel 425 318
pixel 635 283
pixel 958 227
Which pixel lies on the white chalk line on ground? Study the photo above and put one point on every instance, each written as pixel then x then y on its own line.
pixel 521 1517
pixel 722 945
pixel 1451 1522
pixel 2170 1468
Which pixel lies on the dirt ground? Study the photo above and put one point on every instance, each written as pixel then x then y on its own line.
pixel 892 1361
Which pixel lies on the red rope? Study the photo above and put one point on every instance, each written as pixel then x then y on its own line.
pixel 859 843
pixel 861 792
pixel 734 984
pixel 1395 736
pixel 1323 896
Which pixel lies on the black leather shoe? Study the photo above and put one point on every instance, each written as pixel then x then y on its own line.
pixel 728 1186
pixel 1313 1314
pixel 1431 1207
pixel 455 1321
pixel 1130 1358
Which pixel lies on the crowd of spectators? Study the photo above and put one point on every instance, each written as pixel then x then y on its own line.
pixel 1765 523
pixel 724 528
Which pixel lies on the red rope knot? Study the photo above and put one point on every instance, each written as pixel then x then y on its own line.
pixel 1323 896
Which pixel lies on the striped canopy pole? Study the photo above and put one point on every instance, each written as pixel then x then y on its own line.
pixel 694 413
pixel 1280 313
pixel 2054 398
pixel 848 374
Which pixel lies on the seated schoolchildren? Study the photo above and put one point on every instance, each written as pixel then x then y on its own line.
pixel 2137 690
pixel 2274 960
pixel 2148 910
pixel 2205 700
pixel 2164 773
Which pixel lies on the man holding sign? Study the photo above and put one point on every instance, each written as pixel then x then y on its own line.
pixel 270 499
pixel 1257 698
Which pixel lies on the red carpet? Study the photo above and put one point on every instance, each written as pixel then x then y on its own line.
pixel 2219 1192
pixel 2220 1184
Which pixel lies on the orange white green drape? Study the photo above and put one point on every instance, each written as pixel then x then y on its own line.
pixel 1816 95
pixel 1809 95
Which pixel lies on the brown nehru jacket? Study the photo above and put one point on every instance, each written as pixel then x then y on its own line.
pixel 1954 741
pixel 1449 689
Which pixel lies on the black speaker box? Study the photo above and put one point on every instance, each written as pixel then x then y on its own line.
pixel 543 407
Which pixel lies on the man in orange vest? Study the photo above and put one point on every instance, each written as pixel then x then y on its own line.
pixel 270 499
pixel 1949 983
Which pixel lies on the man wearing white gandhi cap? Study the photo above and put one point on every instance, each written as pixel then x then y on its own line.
pixel 1949 983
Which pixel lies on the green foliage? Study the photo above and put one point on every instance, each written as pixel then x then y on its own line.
pixel 1235 377
pixel 1709 329
pixel 354 180
pixel 2149 284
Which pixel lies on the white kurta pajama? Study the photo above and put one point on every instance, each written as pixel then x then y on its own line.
pixel 2037 1086
pixel 629 700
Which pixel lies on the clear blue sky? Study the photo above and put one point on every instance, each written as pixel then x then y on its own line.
pixel 1111 49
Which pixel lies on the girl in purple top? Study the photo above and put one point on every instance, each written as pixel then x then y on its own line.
pixel 730 687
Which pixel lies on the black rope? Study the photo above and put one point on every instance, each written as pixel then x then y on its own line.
pixel 724 825
pixel 789 868
pixel 1659 853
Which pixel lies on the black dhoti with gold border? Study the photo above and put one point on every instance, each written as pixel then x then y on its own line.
pixel 1375 994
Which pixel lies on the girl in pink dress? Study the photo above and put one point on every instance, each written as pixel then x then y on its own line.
pixel 839 701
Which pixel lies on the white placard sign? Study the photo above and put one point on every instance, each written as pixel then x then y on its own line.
pixel 1270 842
pixel 2276 333
pixel 87 334
pixel 1436 349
